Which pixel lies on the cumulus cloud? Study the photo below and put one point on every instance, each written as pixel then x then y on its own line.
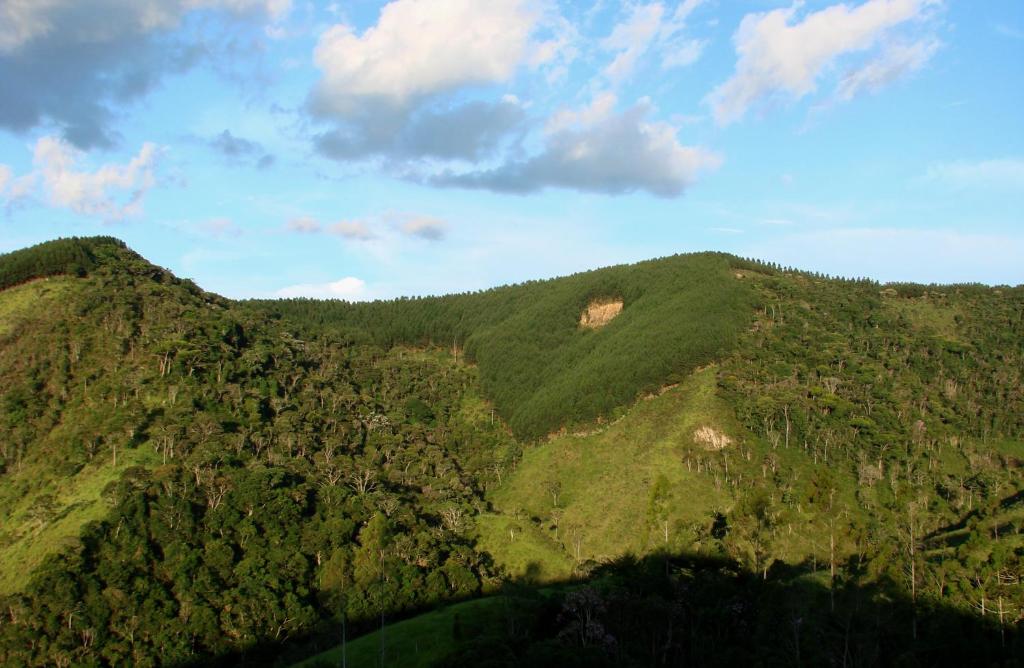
pixel 112 192
pixel 239 149
pixel 75 62
pixel 1003 173
pixel 5 177
pixel 599 150
pixel 779 54
pixel 355 230
pixel 422 47
pixel 393 90
pixel 424 227
pixel 348 288
pixel 471 131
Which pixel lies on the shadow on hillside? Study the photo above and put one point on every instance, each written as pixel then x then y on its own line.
pixel 695 610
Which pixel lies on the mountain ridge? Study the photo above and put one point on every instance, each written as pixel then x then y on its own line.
pixel 189 479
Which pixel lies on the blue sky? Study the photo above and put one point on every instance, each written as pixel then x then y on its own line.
pixel 362 150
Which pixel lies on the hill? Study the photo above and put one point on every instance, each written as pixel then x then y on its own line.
pixel 189 480
pixel 540 365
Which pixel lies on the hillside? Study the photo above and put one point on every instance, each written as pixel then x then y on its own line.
pixel 185 479
pixel 540 366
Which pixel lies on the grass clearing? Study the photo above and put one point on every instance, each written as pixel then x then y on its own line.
pixel 927 314
pixel 52 511
pixel 523 550
pixel 22 301
pixel 603 480
pixel 421 641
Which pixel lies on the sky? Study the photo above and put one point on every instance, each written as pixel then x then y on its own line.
pixel 368 150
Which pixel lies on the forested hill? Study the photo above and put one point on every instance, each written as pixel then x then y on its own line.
pixel 713 460
pixel 542 369
pixel 71 257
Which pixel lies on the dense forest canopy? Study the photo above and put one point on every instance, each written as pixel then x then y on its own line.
pixel 809 470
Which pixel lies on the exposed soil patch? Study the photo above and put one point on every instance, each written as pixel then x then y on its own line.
pixel 711 438
pixel 600 312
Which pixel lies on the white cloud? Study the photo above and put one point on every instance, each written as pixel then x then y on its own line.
pixel 355 230
pixel 686 52
pixel 1004 173
pixel 597 150
pixel 631 39
pixel 348 288
pixel 111 192
pixel 650 28
pixel 425 227
pixel 422 47
pixel 5 177
pixel 95 193
pixel 777 55
pixel 303 225
pixel 894 62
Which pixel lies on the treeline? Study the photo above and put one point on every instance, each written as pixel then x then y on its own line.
pixel 542 370
pixel 73 256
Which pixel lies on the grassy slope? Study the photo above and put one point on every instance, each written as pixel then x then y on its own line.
pixel 606 477
pixel 41 513
pixel 421 641
pixel 42 510
pixel 19 303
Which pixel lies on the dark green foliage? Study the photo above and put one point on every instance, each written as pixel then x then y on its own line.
pixel 283 470
pixel 73 256
pixel 540 367
pixel 699 611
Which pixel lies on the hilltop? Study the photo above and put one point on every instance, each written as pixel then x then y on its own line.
pixel 188 479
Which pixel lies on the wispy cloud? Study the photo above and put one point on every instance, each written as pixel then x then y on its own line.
pixel 355 230
pixel 424 227
pixel 781 53
pixel 1009 31
pixel 221 228
pixel 303 225
pixel 239 149
pixel 1002 173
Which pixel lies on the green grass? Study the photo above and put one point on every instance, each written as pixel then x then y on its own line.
pixel 421 641
pixel 606 477
pixel 523 550
pixel 42 513
pixel 29 299
pixel 927 314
